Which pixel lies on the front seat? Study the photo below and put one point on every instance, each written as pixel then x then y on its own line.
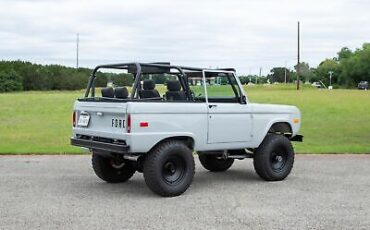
pixel 121 92
pixel 174 92
pixel 148 90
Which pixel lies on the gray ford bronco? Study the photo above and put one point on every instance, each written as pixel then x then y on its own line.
pixel 205 111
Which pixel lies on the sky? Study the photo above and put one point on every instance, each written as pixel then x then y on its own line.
pixel 247 34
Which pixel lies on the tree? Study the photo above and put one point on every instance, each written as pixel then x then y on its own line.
pixel 10 81
pixel 322 71
pixel 344 53
pixel 243 79
pixel 305 72
pixel 356 67
pixel 277 74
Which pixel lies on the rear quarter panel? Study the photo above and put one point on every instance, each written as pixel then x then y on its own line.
pixel 166 119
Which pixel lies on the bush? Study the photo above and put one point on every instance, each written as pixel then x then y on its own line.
pixel 10 81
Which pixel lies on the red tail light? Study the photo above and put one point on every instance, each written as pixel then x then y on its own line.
pixel 74 118
pixel 144 124
pixel 128 123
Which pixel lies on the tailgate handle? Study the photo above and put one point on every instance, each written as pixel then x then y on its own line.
pixel 99 113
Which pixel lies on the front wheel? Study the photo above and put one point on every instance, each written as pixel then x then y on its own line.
pixel 169 168
pixel 274 158
pixel 111 170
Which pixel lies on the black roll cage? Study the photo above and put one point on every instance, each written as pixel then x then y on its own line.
pixel 138 71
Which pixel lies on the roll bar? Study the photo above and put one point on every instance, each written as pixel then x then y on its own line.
pixel 140 68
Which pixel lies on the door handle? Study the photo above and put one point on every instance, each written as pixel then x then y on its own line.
pixel 212 106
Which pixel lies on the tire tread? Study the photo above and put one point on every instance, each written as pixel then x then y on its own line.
pixel 108 174
pixel 152 160
pixel 261 157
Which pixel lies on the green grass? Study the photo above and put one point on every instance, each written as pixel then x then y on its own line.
pixel 36 122
pixel 336 121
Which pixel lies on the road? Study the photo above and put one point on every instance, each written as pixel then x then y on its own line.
pixel 62 192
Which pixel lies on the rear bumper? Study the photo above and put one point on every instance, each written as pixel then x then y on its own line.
pixel 97 145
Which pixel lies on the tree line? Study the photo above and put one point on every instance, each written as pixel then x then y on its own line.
pixel 20 75
pixel 348 68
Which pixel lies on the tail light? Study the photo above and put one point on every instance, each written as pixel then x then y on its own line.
pixel 128 123
pixel 74 118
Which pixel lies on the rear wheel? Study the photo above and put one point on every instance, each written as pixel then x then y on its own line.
pixel 215 163
pixel 169 168
pixel 111 170
pixel 274 158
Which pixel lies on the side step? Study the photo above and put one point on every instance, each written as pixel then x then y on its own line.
pixel 237 154
pixel 240 157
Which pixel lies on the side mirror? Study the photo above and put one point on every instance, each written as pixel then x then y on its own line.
pixel 243 100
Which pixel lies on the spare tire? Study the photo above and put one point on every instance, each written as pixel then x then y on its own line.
pixel 215 163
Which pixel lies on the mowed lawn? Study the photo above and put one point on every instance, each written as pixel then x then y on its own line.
pixel 333 121
pixel 336 121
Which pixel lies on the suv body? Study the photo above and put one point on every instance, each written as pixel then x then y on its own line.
pixel 205 110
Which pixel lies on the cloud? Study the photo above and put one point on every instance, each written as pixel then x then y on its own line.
pixel 242 34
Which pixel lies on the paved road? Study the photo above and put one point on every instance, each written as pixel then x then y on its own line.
pixel 62 192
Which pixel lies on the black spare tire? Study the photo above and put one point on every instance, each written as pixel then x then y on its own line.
pixel 215 163
pixel 112 170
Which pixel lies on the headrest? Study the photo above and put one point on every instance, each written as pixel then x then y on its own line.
pixel 107 92
pixel 173 85
pixel 148 85
pixel 121 92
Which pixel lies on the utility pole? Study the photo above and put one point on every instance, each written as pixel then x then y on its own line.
pixel 259 75
pixel 298 63
pixel 77 47
pixel 330 76
pixel 285 73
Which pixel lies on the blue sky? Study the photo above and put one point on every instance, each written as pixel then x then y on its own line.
pixel 246 35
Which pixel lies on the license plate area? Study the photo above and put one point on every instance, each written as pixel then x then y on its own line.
pixel 83 120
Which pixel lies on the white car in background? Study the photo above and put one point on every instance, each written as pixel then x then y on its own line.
pixel 316 84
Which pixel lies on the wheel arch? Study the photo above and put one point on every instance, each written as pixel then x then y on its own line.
pixel 186 139
pixel 281 127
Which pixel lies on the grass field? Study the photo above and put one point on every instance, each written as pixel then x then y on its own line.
pixel 336 121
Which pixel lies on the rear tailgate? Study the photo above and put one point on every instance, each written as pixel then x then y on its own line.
pixel 100 119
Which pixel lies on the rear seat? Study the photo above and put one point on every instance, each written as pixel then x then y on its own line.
pixel 174 92
pixel 149 90
pixel 107 92
pixel 121 92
